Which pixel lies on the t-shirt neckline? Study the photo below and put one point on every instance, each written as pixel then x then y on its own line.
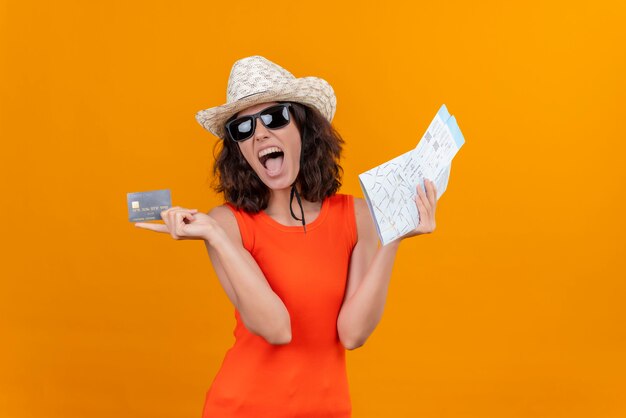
pixel 297 228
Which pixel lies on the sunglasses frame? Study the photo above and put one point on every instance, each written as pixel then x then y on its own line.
pixel 254 118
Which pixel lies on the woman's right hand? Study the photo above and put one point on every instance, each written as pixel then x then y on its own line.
pixel 182 223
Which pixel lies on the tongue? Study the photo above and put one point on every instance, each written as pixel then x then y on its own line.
pixel 273 164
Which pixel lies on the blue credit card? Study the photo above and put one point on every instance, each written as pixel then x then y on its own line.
pixel 147 206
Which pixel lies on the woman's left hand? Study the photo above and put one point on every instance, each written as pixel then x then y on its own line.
pixel 426 202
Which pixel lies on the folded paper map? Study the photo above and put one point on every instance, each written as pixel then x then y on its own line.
pixel 390 188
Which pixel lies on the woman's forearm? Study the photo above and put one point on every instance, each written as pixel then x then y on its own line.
pixel 262 311
pixel 361 313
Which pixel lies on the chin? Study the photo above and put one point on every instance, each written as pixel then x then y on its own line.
pixel 278 184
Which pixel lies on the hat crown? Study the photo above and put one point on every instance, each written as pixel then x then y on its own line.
pixel 255 80
pixel 253 75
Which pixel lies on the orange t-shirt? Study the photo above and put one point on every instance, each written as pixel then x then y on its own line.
pixel 306 378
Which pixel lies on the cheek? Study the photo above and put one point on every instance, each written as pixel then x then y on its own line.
pixel 247 154
pixel 296 153
pixel 295 144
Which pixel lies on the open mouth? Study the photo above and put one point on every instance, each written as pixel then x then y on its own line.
pixel 272 159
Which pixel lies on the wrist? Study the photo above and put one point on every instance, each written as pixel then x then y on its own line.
pixel 395 244
pixel 214 235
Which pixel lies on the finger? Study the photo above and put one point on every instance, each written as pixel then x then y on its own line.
pixel 176 208
pixel 164 213
pixel 170 220
pixel 422 196
pixel 421 208
pixel 168 210
pixel 181 215
pixel 152 227
pixel 175 222
pixel 432 193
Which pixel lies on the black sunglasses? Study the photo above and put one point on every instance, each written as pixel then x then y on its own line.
pixel 274 117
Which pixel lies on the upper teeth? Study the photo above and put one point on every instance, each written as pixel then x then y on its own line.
pixel 269 151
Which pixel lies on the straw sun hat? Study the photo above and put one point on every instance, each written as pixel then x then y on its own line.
pixel 256 80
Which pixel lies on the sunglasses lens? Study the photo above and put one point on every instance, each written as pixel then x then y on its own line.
pixel 241 129
pixel 245 127
pixel 275 117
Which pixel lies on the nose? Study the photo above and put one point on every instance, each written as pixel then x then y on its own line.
pixel 260 131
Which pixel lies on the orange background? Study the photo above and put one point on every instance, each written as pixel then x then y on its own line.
pixel 514 307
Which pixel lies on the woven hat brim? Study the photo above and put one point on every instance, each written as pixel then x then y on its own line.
pixel 312 91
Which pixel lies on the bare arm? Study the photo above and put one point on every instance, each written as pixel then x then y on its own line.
pixel 368 281
pixel 261 310
pixel 370 270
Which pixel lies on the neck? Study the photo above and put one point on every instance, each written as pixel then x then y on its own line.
pixel 278 206
pixel 279 202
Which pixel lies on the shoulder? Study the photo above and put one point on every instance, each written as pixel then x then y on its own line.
pixel 366 229
pixel 225 217
pixel 361 211
pixel 222 213
pixel 360 207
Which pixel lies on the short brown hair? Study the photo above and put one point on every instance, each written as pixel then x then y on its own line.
pixel 320 172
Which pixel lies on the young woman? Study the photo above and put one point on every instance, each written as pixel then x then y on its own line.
pixel 306 276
